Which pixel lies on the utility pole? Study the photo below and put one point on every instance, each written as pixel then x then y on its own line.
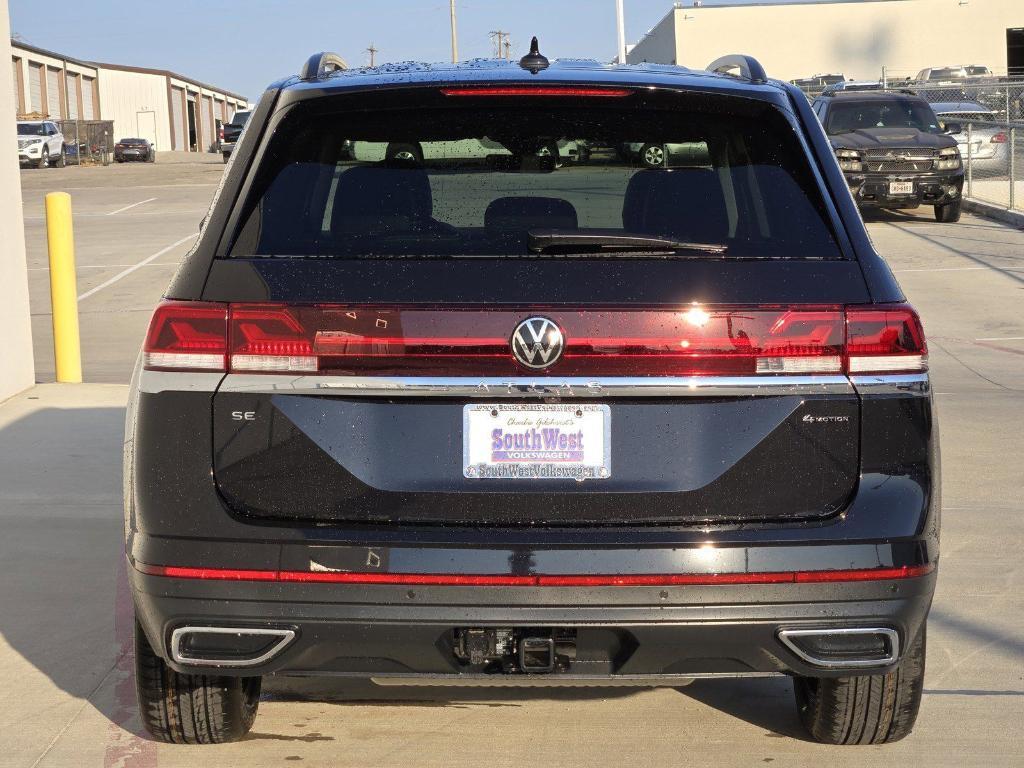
pixel 500 40
pixel 373 54
pixel 621 24
pixel 455 35
pixel 508 54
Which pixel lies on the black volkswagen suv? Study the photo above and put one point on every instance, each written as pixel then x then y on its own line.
pixel 894 151
pixel 465 413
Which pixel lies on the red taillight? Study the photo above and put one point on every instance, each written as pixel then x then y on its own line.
pixel 221 132
pixel 535 90
pixel 998 138
pixel 542 580
pixel 187 336
pixel 689 341
pixel 885 339
pixel 476 342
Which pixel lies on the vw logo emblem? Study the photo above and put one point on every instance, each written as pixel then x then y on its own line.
pixel 537 342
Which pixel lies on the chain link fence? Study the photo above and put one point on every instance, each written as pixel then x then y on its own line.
pixel 993 155
pixel 990 114
pixel 87 142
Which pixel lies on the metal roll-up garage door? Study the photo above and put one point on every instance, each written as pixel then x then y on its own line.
pixel 88 99
pixel 53 92
pixel 208 137
pixel 35 87
pixel 178 119
pixel 72 86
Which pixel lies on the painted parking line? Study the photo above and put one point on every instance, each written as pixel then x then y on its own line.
pixel 99 266
pixel 942 269
pixel 1001 338
pixel 134 267
pixel 133 205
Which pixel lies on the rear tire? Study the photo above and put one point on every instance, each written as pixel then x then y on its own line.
pixel 404 153
pixel 61 160
pixel 948 213
pixel 865 709
pixel 191 709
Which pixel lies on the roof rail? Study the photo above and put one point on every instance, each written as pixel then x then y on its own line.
pixel 749 67
pixel 320 64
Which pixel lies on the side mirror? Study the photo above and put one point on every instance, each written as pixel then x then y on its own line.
pixel 952 128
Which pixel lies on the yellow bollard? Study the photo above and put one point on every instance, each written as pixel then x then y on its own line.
pixel 60 239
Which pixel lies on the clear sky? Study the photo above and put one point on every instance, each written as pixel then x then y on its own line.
pixel 242 45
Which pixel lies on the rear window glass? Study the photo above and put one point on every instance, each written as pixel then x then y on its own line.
pixel 490 177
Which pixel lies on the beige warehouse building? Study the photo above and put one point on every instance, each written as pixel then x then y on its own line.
pixel 170 110
pixel 857 39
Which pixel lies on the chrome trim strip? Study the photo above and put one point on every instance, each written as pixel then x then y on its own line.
pixel 490 388
pixel 286 635
pixel 890 634
pixel 891 383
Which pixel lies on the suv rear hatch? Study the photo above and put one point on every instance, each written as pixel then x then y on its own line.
pixel 402 262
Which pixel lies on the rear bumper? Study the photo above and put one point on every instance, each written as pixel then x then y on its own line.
pixel 648 635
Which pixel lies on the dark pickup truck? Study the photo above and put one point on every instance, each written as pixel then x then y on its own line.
pixel 894 151
pixel 232 130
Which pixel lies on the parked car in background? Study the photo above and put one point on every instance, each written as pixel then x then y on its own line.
pixel 459 423
pixel 655 155
pixel 467 150
pixel 954 75
pixel 853 85
pixel 989 142
pixel 231 130
pixel 817 82
pixel 134 149
pixel 893 151
pixel 40 144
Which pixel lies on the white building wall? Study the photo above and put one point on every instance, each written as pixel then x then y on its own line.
pixel 17 369
pixel 856 39
pixel 123 95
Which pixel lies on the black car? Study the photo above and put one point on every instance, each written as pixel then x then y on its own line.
pixel 134 149
pixel 482 418
pixel 230 132
pixel 894 151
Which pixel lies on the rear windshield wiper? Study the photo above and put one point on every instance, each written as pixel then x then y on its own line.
pixel 554 241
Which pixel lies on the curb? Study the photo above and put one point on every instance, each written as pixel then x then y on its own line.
pixel 989 211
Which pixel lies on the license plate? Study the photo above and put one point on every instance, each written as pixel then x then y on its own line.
pixel 502 441
pixel 901 187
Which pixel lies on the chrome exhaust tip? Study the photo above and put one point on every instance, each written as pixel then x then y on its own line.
pixel 844 647
pixel 227 646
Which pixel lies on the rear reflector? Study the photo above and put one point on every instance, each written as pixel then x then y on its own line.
pixel 396 341
pixel 540 580
pixel 533 90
